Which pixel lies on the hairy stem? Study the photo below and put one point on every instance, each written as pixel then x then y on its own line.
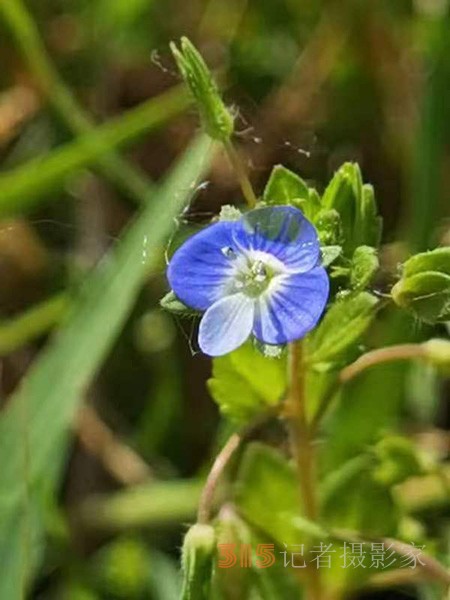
pixel 303 450
pixel 220 462
pixel 379 356
pixel 241 173
pixel 366 361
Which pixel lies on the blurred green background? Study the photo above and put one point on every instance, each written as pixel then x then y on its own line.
pixel 107 427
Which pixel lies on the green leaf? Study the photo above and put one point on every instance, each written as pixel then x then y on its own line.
pixel 364 265
pixel 356 206
pixel 330 254
pixel 352 499
pixel 171 303
pixel 267 495
pixel 245 383
pixel 39 414
pixel 286 187
pixel 344 324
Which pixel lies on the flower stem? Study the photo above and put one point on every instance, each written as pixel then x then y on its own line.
pixel 379 356
pixel 370 359
pixel 241 173
pixel 221 461
pixel 302 446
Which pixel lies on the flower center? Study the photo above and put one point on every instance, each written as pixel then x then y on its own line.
pixel 253 272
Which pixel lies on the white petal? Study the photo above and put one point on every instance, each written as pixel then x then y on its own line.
pixel 226 324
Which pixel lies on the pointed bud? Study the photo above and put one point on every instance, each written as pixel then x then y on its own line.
pixel 215 116
pixel 197 559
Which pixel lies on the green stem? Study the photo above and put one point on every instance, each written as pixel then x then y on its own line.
pixel 366 361
pixel 303 450
pixel 34 322
pixel 241 173
pixel 127 177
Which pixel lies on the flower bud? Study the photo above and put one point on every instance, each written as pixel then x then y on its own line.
pixel 424 288
pixel 232 532
pixel 355 203
pixel 397 461
pixel 197 559
pixel 216 118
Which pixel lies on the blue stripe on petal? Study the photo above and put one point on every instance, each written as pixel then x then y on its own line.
pixel 199 269
pixel 293 308
pixel 226 325
pixel 282 231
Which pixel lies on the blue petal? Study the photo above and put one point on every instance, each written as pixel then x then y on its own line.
pixel 292 308
pixel 199 269
pixel 282 231
pixel 226 324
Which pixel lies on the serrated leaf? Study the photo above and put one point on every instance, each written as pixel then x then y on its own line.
pixel 245 383
pixel 344 324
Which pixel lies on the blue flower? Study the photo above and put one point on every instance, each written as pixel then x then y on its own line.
pixel 258 275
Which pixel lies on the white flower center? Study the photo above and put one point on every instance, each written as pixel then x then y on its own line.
pixel 253 271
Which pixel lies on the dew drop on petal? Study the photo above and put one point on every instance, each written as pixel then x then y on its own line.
pixel 229 252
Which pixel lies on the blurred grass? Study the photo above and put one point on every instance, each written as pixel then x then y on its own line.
pixel 25 187
pixel 54 387
pixel 129 178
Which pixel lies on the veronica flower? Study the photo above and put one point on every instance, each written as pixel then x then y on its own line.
pixel 259 275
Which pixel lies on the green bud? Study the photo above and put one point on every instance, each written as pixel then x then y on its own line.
pixel 286 187
pixel 216 118
pixel 437 260
pixel 197 560
pixel 356 206
pixel 397 461
pixel 437 352
pixel 426 295
pixel 233 582
pixel 424 288
pixel 365 264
